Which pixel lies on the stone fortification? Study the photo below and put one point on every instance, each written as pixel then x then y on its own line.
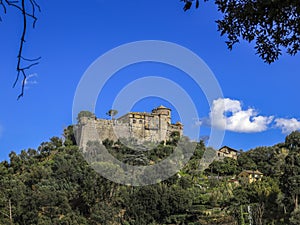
pixel 141 126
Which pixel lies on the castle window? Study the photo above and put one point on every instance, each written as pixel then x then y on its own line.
pixel 133 121
pixel 140 121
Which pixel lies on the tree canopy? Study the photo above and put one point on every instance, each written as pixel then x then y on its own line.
pixel 85 114
pixel 273 26
pixel 55 185
pixel 112 113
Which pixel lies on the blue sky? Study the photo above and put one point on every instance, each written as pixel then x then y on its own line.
pixel 71 35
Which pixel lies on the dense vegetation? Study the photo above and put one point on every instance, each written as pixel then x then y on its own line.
pixel 55 185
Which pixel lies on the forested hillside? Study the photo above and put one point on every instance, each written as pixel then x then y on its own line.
pixel 54 185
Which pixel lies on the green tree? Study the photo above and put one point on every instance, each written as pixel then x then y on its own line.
pixel 268 160
pixel 85 114
pixel 271 25
pixel 295 217
pixel 292 141
pixel 260 197
pixel 69 136
pixel 246 162
pixel 174 138
pixel 112 113
pixel 54 185
pixel 193 167
pixel 290 179
pixel 227 166
pixel 155 203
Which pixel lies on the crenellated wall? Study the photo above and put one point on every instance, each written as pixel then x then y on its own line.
pixel 151 127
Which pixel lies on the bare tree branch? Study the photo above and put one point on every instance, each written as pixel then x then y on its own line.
pixel 3 6
pixel 29 66
pixel 21 69
pixel 31 60
pixel 13 4
pixel 4 9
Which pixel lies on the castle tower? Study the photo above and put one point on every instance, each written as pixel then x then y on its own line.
pixel 164 115
pixel 86 131
pixel 163 112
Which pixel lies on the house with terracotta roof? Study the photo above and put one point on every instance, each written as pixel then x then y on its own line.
pixel 250 176
pixel 226 151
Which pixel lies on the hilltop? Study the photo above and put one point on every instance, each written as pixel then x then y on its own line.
pixel 54 185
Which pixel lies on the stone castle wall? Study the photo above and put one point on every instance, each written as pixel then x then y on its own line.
pixel 139 126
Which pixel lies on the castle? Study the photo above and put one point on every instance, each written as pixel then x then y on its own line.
pixel 141 126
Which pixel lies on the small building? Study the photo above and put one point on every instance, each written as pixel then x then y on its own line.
pixel 226 151
pixel 250 176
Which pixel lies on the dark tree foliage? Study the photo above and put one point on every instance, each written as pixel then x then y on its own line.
pixel 295 217
pixel 261 197
pixel 273 25
pixel 188 4
pixel 268 160
pixel 156 203
pixel 55 185
pixel 292 141
pixel 223 167
pixel 290 179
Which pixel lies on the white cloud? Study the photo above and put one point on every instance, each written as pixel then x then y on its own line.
pixel 31 80
pixel 287 125
pixel 228 114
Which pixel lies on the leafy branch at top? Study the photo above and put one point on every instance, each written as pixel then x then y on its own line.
pixel 274 25
pixel 23 63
